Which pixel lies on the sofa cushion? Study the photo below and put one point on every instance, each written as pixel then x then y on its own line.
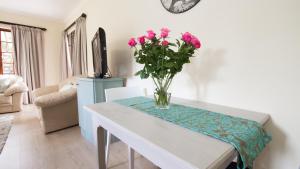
pixel 18 87
pixel 4 83
pixel 5 99
pixel 7 80
pixel 15 79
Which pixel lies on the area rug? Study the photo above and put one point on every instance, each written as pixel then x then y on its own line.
pixel 5 126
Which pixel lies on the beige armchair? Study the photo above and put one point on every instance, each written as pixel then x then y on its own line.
pixel 57 105
pixel 11 100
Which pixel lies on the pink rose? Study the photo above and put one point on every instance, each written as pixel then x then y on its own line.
pixel 195 42
pixel 141 40
pixel 151 34
pixel 132 42
pixel 165 43
pixel 187 37
pixel 164 32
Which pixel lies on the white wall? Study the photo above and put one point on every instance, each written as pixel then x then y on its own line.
pixel 52 41
pixel 250 58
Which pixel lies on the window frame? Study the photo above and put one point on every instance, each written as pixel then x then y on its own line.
pixel 1 63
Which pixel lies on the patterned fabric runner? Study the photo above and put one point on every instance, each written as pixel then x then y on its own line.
pixel 248 137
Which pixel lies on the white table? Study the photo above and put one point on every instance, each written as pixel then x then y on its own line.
pixel 167 145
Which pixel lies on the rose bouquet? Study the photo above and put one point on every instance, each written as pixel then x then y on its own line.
pixel 163 59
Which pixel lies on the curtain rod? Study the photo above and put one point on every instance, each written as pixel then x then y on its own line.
pixel 72 24
pixel 10 23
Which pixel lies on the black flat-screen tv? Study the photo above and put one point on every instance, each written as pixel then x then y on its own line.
pixel 99 54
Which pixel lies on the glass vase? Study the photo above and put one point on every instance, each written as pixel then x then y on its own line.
pixel 162 99
pixel 161 95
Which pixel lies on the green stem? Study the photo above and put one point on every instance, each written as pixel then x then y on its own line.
pixel 168 81
pixel 154 82
pixel 161 95
pixel 169 84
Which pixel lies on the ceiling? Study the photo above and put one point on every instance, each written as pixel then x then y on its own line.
pixel 54 9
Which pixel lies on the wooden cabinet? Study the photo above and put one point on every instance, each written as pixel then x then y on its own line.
pixel 91 91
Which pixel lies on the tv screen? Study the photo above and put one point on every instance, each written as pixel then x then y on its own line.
pixel 99 54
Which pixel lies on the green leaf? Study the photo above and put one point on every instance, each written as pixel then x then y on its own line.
pixel 144 75
pixel 170 64
pixel 172 44
pixel 178 43
pixel 138 72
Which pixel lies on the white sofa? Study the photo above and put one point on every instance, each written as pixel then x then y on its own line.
pixel 12 88
pixel 57 105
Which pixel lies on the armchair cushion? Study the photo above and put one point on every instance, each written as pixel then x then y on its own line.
pixel 67 87
pixel 69 81
pixel 44 91
pixel 55 98
pixel 18 87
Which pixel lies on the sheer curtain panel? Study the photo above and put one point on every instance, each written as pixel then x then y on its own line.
pixel 29 57
pixel 74 51
pixel 66 67
pixel 80 48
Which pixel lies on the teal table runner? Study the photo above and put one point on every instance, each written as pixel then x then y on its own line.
pixel 248 137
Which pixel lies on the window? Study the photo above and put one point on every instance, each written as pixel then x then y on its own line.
pixel 6 52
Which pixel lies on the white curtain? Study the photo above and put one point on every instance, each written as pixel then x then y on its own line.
pixel 80 48
pixel 66 67
pixel 29 57
pixel 74 62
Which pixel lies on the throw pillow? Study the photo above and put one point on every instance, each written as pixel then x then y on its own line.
pixel 4 83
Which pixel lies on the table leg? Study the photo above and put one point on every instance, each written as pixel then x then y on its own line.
pixel 108 140
pixel 130 158
pixel 101 147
